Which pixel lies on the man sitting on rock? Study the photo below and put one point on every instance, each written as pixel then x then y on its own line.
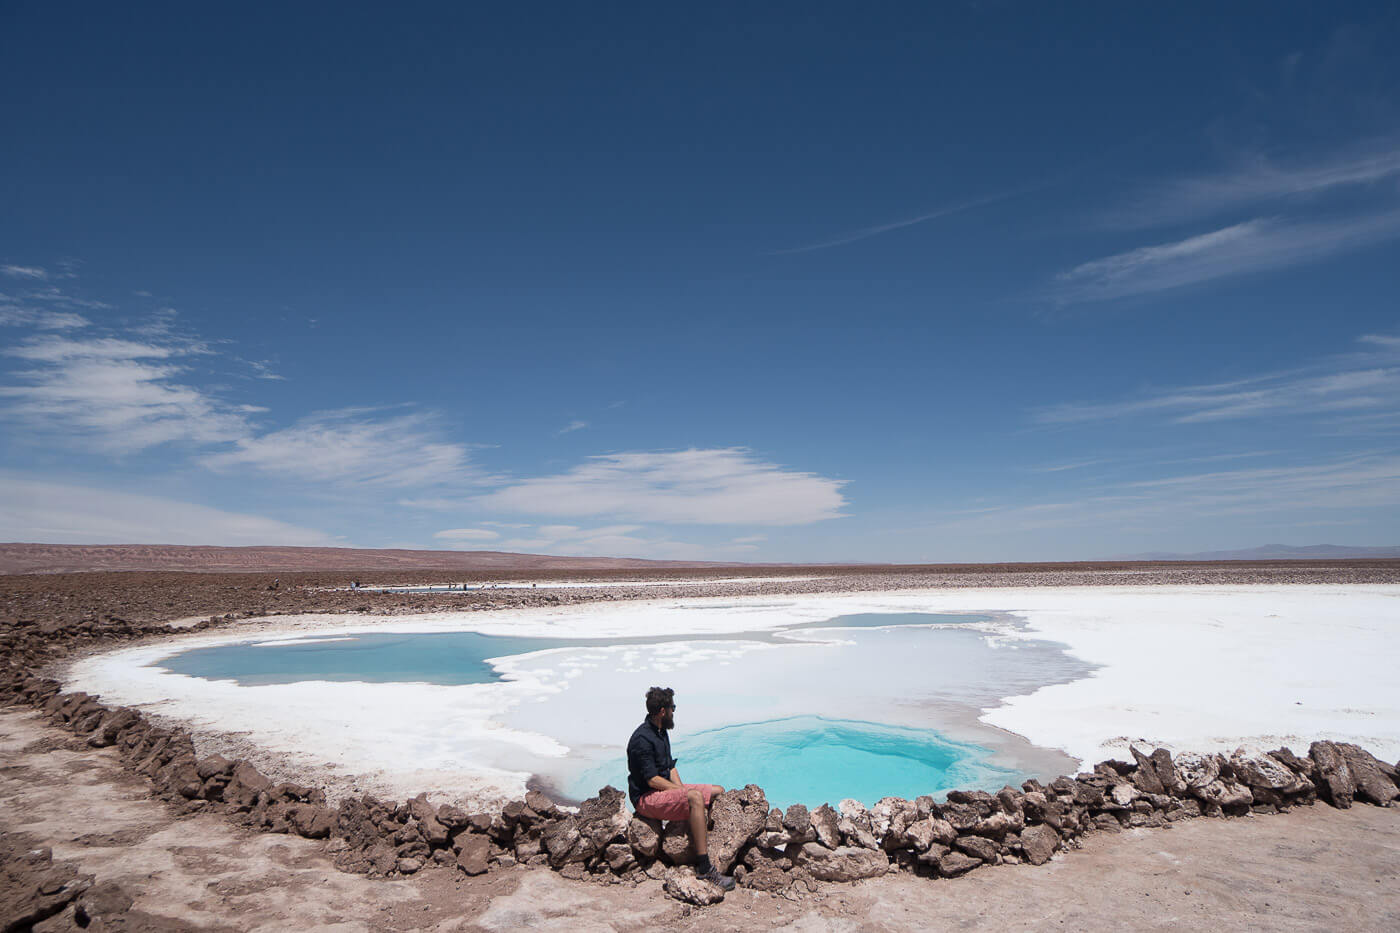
pixel 655 785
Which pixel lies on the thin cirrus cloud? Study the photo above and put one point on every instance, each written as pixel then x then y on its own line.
pixel 14 315
pixel 353 447
pixel 32 273
pixel 466 535
pixel 1262 179
pixel 623 541
pixel 117 395
pixel 1287 493
pixel 1252 246
pixel 1352 383
pixel 865 233
pixel 717 486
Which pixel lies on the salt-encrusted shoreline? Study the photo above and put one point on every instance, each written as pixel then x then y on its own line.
pixel 1208 668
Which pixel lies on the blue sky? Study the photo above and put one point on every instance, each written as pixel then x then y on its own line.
pixel 814 282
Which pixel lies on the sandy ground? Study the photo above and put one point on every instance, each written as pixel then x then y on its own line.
pixel 1312 869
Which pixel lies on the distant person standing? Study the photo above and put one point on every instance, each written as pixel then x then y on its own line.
pixel 655 785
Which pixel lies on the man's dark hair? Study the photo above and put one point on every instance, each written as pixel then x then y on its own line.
pixel 658 698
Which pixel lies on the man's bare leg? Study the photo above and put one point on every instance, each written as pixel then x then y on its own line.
pixel 699 834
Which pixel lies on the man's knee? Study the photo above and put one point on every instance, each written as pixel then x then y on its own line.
pixel 696 798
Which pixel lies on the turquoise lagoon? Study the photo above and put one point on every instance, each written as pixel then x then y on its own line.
pixel 861 706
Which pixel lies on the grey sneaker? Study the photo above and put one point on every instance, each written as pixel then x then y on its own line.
pixel 713 876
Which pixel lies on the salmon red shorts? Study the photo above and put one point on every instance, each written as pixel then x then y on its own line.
pixel 671 804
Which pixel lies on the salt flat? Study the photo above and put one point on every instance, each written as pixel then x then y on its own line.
pixel 1187 667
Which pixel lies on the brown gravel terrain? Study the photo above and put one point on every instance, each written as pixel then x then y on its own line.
pixel 60 558
pixel 67 600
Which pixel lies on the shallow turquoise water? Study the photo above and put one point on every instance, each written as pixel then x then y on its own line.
pixel 820 694
pixel 435 658
pixel 449 658
pixel 811 760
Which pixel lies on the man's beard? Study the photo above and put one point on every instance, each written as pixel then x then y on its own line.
pixel 668 720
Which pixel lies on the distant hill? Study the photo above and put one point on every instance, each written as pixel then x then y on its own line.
pixel 74 558
pixel 1281 552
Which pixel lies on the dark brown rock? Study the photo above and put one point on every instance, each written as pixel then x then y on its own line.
pixel 311 821
pixel 106 901
pixel 453 817
pixel 798 821
pixel 675 844
pixel 847 863
pixel 825 822
pixel 603 819
pixel 1334 778
pixel 1371 778
pixel 737 818
pixel 214 765
pixel 425 813
pixel 956 863
pixel 977 846
pixel 767 877
pixel 540 803
pixel 473 855
pixel 111 726
pixel 562 841
pixel 1038 842
pixel 644 835
pixel 1145 778
pixel 619 857
pixel 245 785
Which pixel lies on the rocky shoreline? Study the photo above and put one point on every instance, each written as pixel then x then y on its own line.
pixel 767 849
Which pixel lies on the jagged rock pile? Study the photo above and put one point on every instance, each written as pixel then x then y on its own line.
pixel 765 849
pixel 35 887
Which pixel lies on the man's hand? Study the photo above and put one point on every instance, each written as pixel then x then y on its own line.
pixel 665 783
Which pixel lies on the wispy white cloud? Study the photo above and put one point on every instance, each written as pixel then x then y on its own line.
pixel 463 537
pixel 33 273
pixel 865 233
pixel 58 513
pixel 261 369
pixel 54 295
pixel 1352 382
pixel 1247 247
pixel 114 395
pixel 1337 489
pixel 1260 179
pixel 575 425
pixel 12 315
pixel 1065 467
pixel 718 486
pixel 353 446
pixel 622 541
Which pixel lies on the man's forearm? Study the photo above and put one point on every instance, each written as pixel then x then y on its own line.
pixel 661 783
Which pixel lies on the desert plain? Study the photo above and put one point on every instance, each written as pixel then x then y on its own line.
pixel 1310 868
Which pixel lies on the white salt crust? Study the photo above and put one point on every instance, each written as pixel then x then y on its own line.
pixel 1186 667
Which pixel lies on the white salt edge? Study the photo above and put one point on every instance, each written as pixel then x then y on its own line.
pixel 1190 667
